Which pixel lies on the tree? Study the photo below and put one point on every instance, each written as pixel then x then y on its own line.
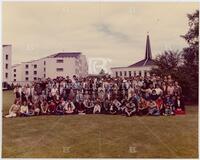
pixel 167 63
pixel 191 53
pixel 191 56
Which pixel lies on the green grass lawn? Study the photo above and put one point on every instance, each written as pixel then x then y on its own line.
pixel 100 135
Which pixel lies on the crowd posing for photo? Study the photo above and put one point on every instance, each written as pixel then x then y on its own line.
pixel 149 95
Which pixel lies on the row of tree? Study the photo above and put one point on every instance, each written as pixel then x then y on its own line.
pixel 183 65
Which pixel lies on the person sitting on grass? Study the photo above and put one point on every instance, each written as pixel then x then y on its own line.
pixel 160 103
pixel 117 105
pixel 52 107
pixel 44 107
pixel 168 100
pixel 124 101
pixel 142 107
pixel 113 108
pixel 30 108
pixel 24 110
pixel 14 110
pixel 168 110
pixel 106 106
pixel 36 107
pixel 89 105
pixel 69 107
pixel 81 110
pixel 60 107
pixel 179 106
pixel 130 109
pixel 153 109
pixel 97 107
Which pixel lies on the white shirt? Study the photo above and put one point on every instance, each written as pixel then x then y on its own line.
pixel 158 91
pixel 24 109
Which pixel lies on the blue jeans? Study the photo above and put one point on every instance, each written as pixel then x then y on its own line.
pixel 154 111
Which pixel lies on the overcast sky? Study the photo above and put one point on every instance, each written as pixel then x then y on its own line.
pixel 115 32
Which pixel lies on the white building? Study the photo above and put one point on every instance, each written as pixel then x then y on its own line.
pixel 7 58
pixel 139 68
pixel 59 64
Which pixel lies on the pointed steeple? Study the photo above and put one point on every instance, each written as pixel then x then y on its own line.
pixel 148 49
pixel 148 61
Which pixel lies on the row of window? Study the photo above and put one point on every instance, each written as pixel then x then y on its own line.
pixel 34 72
pixel 27 78
pixel 129 73
pixel 27 66
pixel 61 61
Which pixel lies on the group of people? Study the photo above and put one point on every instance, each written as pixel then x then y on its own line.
pixel 149 95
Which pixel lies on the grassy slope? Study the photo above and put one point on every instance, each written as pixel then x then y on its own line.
pixel 100 135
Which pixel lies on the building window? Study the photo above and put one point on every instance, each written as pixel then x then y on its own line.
pixel 6 74
pixel 129 73
pixel 14 80
pixel 26 78
pixel 26 72
pixel 120 73
pixel 6 65
pixel 116 74
pixel 140 73
pixel 59 61
pixel 35 78
pixel 44 69
pixel 44 62
pixel 6 57
pixel 44 75
pixel 35 65
pixel 14 75
pixel 124 73
pixel 59 69
pixel 134 73
pixel 34 72
pixel 26 66
pixel 14 70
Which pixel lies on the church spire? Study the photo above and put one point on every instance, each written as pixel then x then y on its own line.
pixel 148 49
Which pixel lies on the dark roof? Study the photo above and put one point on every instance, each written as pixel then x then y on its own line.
pixel 4 45
pixel 147 61
pixel 65 54
pixel 143 62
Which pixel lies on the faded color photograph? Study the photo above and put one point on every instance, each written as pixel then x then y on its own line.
pixel 100 79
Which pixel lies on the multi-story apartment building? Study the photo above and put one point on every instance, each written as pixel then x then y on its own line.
pixel 59 64
pixel 7 58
